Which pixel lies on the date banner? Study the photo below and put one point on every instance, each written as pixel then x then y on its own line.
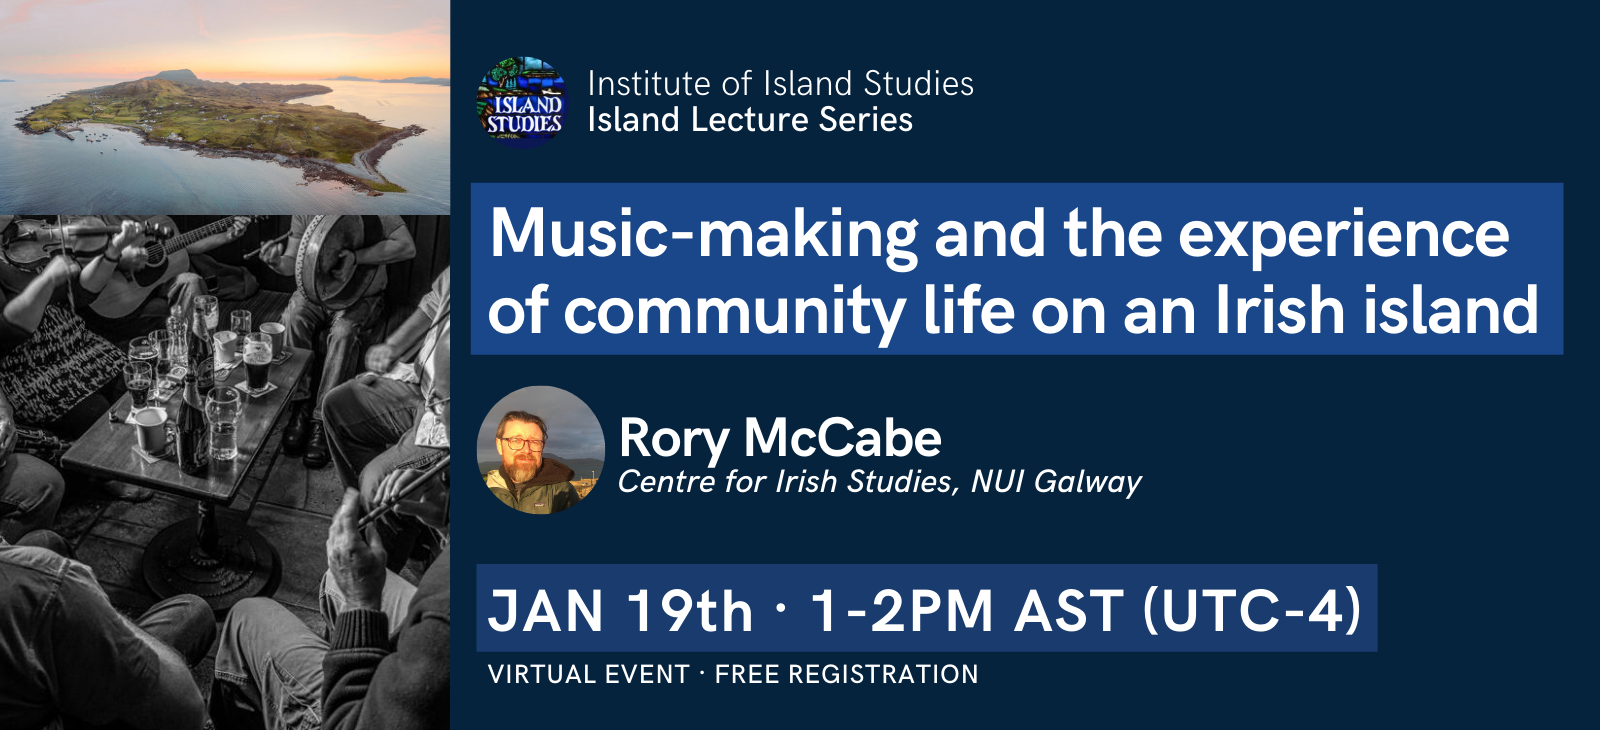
pixel 931 608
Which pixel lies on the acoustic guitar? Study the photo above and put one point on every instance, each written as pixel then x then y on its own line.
pixel 165 260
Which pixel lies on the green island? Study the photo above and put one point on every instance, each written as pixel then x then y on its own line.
pixel 222 119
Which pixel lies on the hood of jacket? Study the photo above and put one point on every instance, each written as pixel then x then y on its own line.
pixel 550 472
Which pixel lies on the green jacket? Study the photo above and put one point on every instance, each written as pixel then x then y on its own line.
pixel 550 489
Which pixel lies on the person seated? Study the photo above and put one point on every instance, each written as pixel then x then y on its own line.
pixel 58 375
pixel 181 290
pixel 527 481
pixel 307 324
pixel 30 488
pixel 69 659
pixel 380 423
pixel 387 661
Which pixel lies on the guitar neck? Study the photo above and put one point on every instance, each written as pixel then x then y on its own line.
pixel 183 241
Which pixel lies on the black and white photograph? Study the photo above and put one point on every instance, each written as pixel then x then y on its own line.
pixel 224 452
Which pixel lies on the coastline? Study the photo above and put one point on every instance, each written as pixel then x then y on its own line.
pixel 364 161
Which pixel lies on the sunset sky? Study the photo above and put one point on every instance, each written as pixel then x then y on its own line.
pixel 48 40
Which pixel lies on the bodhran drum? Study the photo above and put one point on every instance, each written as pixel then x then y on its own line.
pixel 316 271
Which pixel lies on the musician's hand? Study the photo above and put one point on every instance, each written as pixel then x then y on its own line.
pixel 130 255
pixel 235 229
pixel 273 256
pixel 60 270
pixel 391 485
pixel 356 561
pixel 429 503
pixel 346 267
pixel 380 359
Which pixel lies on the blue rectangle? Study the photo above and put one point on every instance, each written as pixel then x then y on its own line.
pixel 1290 608
pixel 1523 277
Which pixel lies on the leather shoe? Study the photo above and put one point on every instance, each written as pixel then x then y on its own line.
pixel 317 455
pixel 294 434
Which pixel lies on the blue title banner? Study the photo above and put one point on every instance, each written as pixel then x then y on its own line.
pixel 967 268
pixel 855 608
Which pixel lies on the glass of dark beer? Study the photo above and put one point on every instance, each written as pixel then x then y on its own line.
pixel 138 376
pixel 257 359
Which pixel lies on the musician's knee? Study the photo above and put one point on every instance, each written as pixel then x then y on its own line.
pixel 299 321
pixel 341 330
pixel 341 400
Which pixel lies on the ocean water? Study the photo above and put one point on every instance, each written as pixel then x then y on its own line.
pixel 46 174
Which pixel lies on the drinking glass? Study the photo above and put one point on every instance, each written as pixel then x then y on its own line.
pixel 257 359
pixel 138 376
pixel 240 322
pixel 143 350
pixel 207 305
pixel 222 411
pixel 162 341
pixel 178 345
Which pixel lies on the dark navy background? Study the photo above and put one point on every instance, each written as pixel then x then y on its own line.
pixel 1465 479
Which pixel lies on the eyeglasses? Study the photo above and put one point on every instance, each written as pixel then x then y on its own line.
pixel 516 444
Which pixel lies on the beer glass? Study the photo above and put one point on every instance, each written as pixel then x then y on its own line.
pixel 222 411
pixel 143 350
pixel 240 322
pixel 257 359
pixel 162 341
pixel 178 331
pixel 138 376
pixel 207 305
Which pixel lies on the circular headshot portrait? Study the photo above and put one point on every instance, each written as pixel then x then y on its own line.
pixel 540 450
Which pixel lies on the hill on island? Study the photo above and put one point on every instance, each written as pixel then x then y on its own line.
pixel 181 76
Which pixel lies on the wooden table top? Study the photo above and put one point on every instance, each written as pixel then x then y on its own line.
pixel 107 450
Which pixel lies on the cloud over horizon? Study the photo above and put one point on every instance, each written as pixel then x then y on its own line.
pixel 129 39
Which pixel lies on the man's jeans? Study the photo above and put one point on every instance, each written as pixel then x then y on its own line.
pixel 304 324
pixel 183 622
pixel 30 494
pixel 269 663
pixel 371 427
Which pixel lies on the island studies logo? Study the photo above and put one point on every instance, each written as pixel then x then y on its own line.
pixel 522 102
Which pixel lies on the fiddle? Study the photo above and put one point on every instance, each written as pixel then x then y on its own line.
pixel 31 243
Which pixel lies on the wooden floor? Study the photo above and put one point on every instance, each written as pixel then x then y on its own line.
pixel 288 504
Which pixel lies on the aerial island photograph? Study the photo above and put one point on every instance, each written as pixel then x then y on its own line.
pixel 199 107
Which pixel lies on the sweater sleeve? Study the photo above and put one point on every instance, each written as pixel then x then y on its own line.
pixel 370 683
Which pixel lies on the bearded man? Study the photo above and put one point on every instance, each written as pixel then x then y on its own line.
pixel 526 481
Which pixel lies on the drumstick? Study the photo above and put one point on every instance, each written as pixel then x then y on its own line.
pixel 386 507
pixel 264 246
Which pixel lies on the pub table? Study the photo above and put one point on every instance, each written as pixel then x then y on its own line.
pixel 222 561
